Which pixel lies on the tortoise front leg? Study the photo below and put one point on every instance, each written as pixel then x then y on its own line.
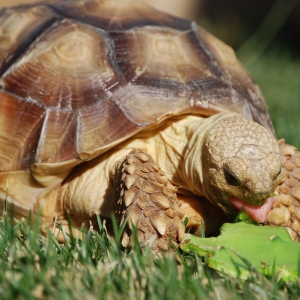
pixel 286 208
pixel 148 198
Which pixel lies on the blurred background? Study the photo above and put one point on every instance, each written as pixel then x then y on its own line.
pixel 266 37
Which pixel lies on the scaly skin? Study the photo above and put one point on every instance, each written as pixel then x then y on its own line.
pixel 240 159
pixel 286 209
pixel 146 194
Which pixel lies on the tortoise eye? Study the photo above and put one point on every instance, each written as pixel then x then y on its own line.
pixel 279 172
pixel 230 177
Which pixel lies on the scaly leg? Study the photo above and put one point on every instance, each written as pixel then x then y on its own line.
pixel 286 208
pixel 147 197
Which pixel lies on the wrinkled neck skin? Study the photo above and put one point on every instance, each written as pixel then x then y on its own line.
pixel 194 159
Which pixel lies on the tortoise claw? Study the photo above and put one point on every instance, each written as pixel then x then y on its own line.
pixel 148 198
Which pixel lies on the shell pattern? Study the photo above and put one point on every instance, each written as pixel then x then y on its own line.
pixel 78 77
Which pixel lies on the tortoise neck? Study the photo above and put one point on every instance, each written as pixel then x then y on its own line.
pixel 194 156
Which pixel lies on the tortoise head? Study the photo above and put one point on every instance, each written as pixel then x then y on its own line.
pixel 240 160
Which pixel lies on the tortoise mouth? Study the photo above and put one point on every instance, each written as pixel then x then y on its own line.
pixel 257 213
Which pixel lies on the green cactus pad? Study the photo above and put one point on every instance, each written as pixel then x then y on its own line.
pixel 242 247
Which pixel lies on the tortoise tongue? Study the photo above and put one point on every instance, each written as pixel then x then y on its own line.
pixel 257 213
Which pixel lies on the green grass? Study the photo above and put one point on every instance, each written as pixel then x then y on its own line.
pixel 95 267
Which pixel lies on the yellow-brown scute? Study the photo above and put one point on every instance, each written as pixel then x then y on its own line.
pixel 248 153
pixel 73 58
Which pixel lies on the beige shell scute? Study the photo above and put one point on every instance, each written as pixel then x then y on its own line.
pixel 256 108
pixel 15 35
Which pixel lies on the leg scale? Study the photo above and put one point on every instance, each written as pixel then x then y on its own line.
pixel 148 198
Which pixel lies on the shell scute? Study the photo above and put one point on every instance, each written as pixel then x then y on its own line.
pixel 164 58
pixel 58 140
pixel 101 126
pixel 18 27
pixel 68 67
pixel 18 143
pixel 118 15
pixel 246 97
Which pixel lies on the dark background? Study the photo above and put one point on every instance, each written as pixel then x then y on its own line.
pixel 234 21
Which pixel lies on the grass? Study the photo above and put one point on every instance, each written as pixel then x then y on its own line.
pixel 95 267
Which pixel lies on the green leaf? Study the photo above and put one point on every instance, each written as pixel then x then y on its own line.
pixel 242 248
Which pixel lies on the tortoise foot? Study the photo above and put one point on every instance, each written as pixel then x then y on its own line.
pixel 146 196
pixel 286 208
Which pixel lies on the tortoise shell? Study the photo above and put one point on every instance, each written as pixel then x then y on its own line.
pixel 78 77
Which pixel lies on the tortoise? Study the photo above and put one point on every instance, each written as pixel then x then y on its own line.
pixel 114 108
